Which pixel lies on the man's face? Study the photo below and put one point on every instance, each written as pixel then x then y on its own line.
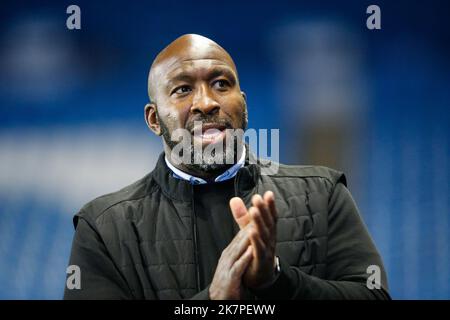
pixel 199 85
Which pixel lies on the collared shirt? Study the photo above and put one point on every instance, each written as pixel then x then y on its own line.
pixel 228 174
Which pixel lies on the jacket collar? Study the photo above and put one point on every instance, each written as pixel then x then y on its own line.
pixel 182 190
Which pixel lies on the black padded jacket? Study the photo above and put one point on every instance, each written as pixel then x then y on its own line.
pixel 141 242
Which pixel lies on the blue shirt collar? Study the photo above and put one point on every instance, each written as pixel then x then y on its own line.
pixel 228 174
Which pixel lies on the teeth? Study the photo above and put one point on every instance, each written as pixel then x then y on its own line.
pixel 210 135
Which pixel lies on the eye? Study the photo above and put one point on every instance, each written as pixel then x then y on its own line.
pixel 181 90
pixel 221 84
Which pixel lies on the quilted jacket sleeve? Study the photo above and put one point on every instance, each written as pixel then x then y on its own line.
pixel 350 252
pixel 100 278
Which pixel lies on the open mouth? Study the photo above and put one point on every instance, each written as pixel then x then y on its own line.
pixel 209 133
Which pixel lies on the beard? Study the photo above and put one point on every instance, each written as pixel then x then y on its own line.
pixel 219 157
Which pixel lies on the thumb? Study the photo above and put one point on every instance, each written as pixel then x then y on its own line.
pixel 239 211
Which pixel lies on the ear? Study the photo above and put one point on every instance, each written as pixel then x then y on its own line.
pixel 151 118
pixel 244 96
pixel 245 107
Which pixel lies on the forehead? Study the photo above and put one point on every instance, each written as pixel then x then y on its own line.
pixel 199 67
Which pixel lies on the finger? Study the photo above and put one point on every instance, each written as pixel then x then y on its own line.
pixel 258 202
pixel 239 212
pixel 265 212
pixel 259 224
pixel 269 198
pixel 238 245
pixel 259 249
pixel 238 268
pixel 240 237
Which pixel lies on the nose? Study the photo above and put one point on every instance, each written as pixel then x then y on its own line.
pixel 204 102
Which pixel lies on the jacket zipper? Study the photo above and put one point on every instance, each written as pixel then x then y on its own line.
pixel 194 232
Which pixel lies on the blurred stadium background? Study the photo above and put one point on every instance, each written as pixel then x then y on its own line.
pixel 374 104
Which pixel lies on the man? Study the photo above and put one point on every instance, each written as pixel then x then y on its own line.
pixel 207 229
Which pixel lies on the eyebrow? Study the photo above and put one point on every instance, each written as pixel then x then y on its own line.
pixel 185 76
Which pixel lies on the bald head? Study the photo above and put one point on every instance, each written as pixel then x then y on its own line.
pixel 194 80
pixel 188 47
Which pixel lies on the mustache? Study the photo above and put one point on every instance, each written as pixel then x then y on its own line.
pixel 210 119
